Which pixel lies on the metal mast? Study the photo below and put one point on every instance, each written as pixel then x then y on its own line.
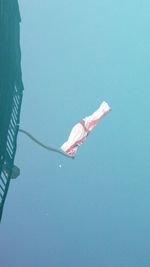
pixel 11 90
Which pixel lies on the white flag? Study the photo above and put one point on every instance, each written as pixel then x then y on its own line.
pixel 81 130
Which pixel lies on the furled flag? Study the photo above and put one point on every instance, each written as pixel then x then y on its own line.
pixel 81 130
pixel 77 136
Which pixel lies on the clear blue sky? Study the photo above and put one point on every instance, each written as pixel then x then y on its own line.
pixel 94 211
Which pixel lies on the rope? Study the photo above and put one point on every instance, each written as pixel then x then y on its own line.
pixel 45 146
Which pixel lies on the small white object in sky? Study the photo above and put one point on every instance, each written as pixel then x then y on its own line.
pixel 59 165
pixel 81 130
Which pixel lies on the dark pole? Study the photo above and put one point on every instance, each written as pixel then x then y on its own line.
pixel 11 91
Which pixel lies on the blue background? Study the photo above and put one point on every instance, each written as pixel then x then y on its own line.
pixel 94 211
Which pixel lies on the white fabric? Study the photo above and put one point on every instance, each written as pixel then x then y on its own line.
pixel 80 131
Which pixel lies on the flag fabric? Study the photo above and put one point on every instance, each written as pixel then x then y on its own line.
pixel 81 130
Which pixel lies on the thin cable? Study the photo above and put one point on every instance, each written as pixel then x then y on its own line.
pixel 45 146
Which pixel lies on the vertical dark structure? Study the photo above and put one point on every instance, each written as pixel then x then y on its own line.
pixel 11 90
